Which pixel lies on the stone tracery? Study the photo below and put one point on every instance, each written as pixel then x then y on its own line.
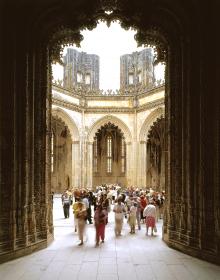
pixel 112 172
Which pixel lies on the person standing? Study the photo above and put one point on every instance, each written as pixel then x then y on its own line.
pixel 119 210
pixel 85 200
pixel 132 217
pixel 75 210
pixel 150 217
pixel 81 216
pixel 66 205
pixel 143 203
pixel 106 206
pixel 100 218
pixel 91 201
pixel 138 212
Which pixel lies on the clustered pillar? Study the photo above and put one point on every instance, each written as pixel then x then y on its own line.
pixel 25 198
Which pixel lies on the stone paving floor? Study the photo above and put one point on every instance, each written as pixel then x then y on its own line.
pixel 135 257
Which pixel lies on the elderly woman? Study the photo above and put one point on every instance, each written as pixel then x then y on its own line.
pixel 150 216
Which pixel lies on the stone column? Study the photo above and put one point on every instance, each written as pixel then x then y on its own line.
pixel 89 165
pixel 83 152
pixel 162 173
pixel 141 172
pixel 129 160
pixel 76 178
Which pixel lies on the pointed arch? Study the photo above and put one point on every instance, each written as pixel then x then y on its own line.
pixel 106 119
pixel 149 121
pixel 74 131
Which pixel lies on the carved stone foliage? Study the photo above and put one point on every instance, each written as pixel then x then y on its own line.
pixel 136 15
pixel 129 91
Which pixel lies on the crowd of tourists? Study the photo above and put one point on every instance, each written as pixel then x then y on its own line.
pixel 138 206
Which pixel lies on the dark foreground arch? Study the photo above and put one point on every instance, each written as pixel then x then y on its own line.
pixel 30 38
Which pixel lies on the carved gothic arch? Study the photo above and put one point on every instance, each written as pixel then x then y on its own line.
pixel 153 116
pixel 73 129
pixel 114 120
pixel 61 24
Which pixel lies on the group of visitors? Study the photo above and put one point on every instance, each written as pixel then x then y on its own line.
pixel 137 205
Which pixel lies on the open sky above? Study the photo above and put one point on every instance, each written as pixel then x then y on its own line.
pixel 109 43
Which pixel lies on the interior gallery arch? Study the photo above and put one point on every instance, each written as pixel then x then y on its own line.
pixel 109 156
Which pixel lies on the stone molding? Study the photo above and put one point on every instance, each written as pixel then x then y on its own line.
pixel 148 122
pixel 150 105
pixel 107 110
pixel 106 119
pixel 74 131
pixel 66 104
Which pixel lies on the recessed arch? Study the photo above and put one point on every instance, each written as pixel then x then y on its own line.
pixel 114 120
pixel 149 121
pixel 74 131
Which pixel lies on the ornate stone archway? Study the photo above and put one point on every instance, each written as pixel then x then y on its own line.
pixel 113 119
pixel 74 131
pixel 142 163
pixel 153 116
pixel 128 140
pixel 182 33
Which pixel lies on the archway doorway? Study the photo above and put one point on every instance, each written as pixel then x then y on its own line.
pixel 182 34
pixel 155 156
pixel 109 156
pixel 61 156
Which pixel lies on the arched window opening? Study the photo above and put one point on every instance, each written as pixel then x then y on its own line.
pixel 123 155
pixel 88 79
pixel 131 78
pixel 109 154
pixel 79 77
pixel 139 77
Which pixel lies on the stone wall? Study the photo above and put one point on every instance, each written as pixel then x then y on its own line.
pixel 81 70
pixel 136 69
pixel 134 126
